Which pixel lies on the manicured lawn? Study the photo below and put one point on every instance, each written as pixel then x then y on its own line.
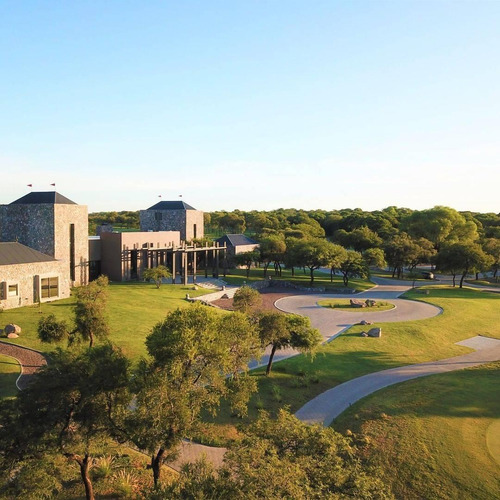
pixel 434 437
pixel 9 371
pixel 345 305
pixel 293 382
pixel 491 282
pixel 133 309
pixel 321 279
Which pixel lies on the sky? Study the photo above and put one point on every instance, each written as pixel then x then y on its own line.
pixel 252 104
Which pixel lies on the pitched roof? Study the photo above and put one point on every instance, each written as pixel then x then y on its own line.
pixel 15 253
pixel 171 205
pixel 37 197
pixel 237 240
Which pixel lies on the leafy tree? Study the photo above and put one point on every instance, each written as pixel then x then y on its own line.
pixel 246 299
pixel 287 330
pixel 51 330
pixel 399 252
pixel 198 356
pixel 72 403
pixel 90 318
pixel 465 257
pixel 157 274
pixel 247 259
pixel 337 255
pixel 374 257
pixel 313 254
pixel 359 239
pixel 439 225
pixel 272 249
pixel 284 458
pixel 353 266
pixel 492 247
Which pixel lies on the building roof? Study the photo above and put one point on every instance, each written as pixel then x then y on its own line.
pixel 15 253
pixel 171 205
pixel 236 240
pixel 37 197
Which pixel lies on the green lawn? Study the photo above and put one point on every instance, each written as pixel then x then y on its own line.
pixel 345 305
pixel 133 309
pixel 435 437
pixel 321 279
pixel 491 282
pixel 9 371
pixel 293 382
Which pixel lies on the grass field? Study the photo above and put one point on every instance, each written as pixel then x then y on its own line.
pixel 133 309
pixel 321 279
pixel 9 371
pixel 345 305
pixel 294 381
pixel 491 282
pixel 435 437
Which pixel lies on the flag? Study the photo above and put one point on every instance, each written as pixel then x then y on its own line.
pixel 180 196
pixel 53 184
pixel 30 185
pixel 159 196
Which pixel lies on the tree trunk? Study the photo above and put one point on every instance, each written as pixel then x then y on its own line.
pixel 84 472
pixel 248 271
pixel 477 276
pixel 293 271
pixel 91 336
pixel 270 362
pixel 156 462
pixel 454 280
pixel 345 278
pixel 312 274
pixel 265 269
pixel 462 280
pixel 331 275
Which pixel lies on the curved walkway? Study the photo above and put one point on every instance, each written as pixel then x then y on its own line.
pixel 29 360
pixel 324 408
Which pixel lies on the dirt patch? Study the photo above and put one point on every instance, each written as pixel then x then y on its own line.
pixel 269 297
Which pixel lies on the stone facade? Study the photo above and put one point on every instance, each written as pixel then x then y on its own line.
pixel 58 230
pixel 188 222
pixel 20 284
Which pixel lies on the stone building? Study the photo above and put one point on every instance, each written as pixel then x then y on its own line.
pixel 237 243
pixel 28 276
pixel 173 216
pixel 53 225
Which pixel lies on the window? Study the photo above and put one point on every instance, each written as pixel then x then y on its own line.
pixel 50 287
pixel 3 290
pixel 13 291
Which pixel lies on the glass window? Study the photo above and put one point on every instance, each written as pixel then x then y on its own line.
pixel 13 291
pixel 50 287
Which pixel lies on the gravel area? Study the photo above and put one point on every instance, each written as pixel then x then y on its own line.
pixel 268 299
pixel 30 361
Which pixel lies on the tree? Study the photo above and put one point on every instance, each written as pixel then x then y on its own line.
pixel 359 239
pixel 337 255
pixel 374 257
pixel 399 252
pixel 284 458
pixel 465 258
pixel 313 254
pixel 51 330
pixel 90 318
pixel 72 403
pixel 287 330
pixel 272 249
pixel 247 259
pixel 353 266
pixel 198 356
pixel 157 274
pixel 492 247
pixel 246 299
pixel 439 225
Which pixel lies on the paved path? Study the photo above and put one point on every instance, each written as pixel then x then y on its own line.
pixel 29 360
pixel 324 408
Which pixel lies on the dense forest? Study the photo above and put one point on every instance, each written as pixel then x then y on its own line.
pixel 352 240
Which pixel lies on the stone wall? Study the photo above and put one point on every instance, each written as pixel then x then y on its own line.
pixel 173 220
pixel 27 277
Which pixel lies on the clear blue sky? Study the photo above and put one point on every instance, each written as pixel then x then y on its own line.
pixel 252 104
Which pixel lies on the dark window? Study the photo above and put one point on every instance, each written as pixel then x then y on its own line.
pixel 194 231
pixel 50 287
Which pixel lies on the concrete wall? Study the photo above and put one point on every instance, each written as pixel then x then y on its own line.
pixel 116 251
pixel 173 220
pixel 27 277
